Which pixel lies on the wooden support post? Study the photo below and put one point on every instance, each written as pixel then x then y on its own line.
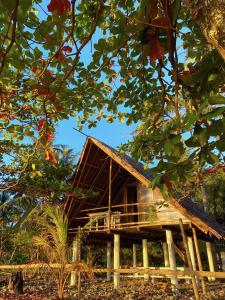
pixel 222 255
pixel 194 284
pixel 135 258
pixel 209 251
pixel 145 257
pixel 109 253
pixel 172 258
pixel 89 256
pixel 166 255
pixel 192 255
pixel 116 258
pixel 73 277
pixel 110 194
pixel 199 259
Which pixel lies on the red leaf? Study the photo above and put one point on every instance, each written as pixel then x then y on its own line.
pixel 60 6
pixel 49 136
pixel 157 51
pixel 59 55
pixel 167 182
pixel 34 69
pixel 153 9
pixel 11 117
pixel 48 37
pixel 43 90
pixel 52 98
pixel 111 64
pixel 51 157
pixel 186 74
pixel 41 124
pixel 67 49
pixel 58 107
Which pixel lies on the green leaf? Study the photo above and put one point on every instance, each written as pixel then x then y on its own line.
pixel 216 99
pixel 220 145
pixel 203 137
pixel 168 147
pixel 214 113
pixel 175 10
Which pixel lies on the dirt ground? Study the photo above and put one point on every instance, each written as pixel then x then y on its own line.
pixel 37 289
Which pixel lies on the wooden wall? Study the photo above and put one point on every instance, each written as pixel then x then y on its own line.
pixel 156 209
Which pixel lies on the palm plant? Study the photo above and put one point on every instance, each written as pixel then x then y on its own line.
pixel 53 241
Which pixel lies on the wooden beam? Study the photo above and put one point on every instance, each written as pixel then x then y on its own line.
pixel 110 194
pixel 179 252
pixel 106 191
pixel 166 255
pixel 192 255
pixel 73 277
pixel 109 259
pixel 172 258
pixel 189 259
pixel 199 260
pixel 116 259
pixel 210 257
pixel 145 257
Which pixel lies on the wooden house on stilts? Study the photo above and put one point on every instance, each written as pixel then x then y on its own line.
pixel 123 210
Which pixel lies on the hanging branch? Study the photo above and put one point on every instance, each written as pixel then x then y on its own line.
pixel 13 37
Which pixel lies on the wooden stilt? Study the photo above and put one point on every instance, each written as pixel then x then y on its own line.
pixel 73 277
pixel 172 259
pixel 222 255
pixel 192 255
pixel 199 260
pixel 116 258
pixel 166 255
pixel 209 251
pixel 89 256
pixel 135 258
pixel 145 257
pixel 194 284
pixel 109 253
pixel 110 194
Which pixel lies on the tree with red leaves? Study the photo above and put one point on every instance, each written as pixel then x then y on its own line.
pixel 153 55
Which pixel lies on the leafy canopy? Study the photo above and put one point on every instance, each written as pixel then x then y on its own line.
pixel 146 62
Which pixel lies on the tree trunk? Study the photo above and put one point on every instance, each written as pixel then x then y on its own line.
pixel 210 17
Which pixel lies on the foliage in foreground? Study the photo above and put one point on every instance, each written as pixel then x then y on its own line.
pixel 97 59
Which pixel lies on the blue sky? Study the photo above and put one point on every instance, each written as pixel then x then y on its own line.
pixel 112 134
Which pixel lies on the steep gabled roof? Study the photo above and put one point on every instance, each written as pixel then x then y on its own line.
pixel 185 206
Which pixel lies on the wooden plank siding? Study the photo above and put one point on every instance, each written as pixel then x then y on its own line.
pixel 154 205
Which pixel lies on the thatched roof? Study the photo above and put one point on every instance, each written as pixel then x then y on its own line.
pixel 186 206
